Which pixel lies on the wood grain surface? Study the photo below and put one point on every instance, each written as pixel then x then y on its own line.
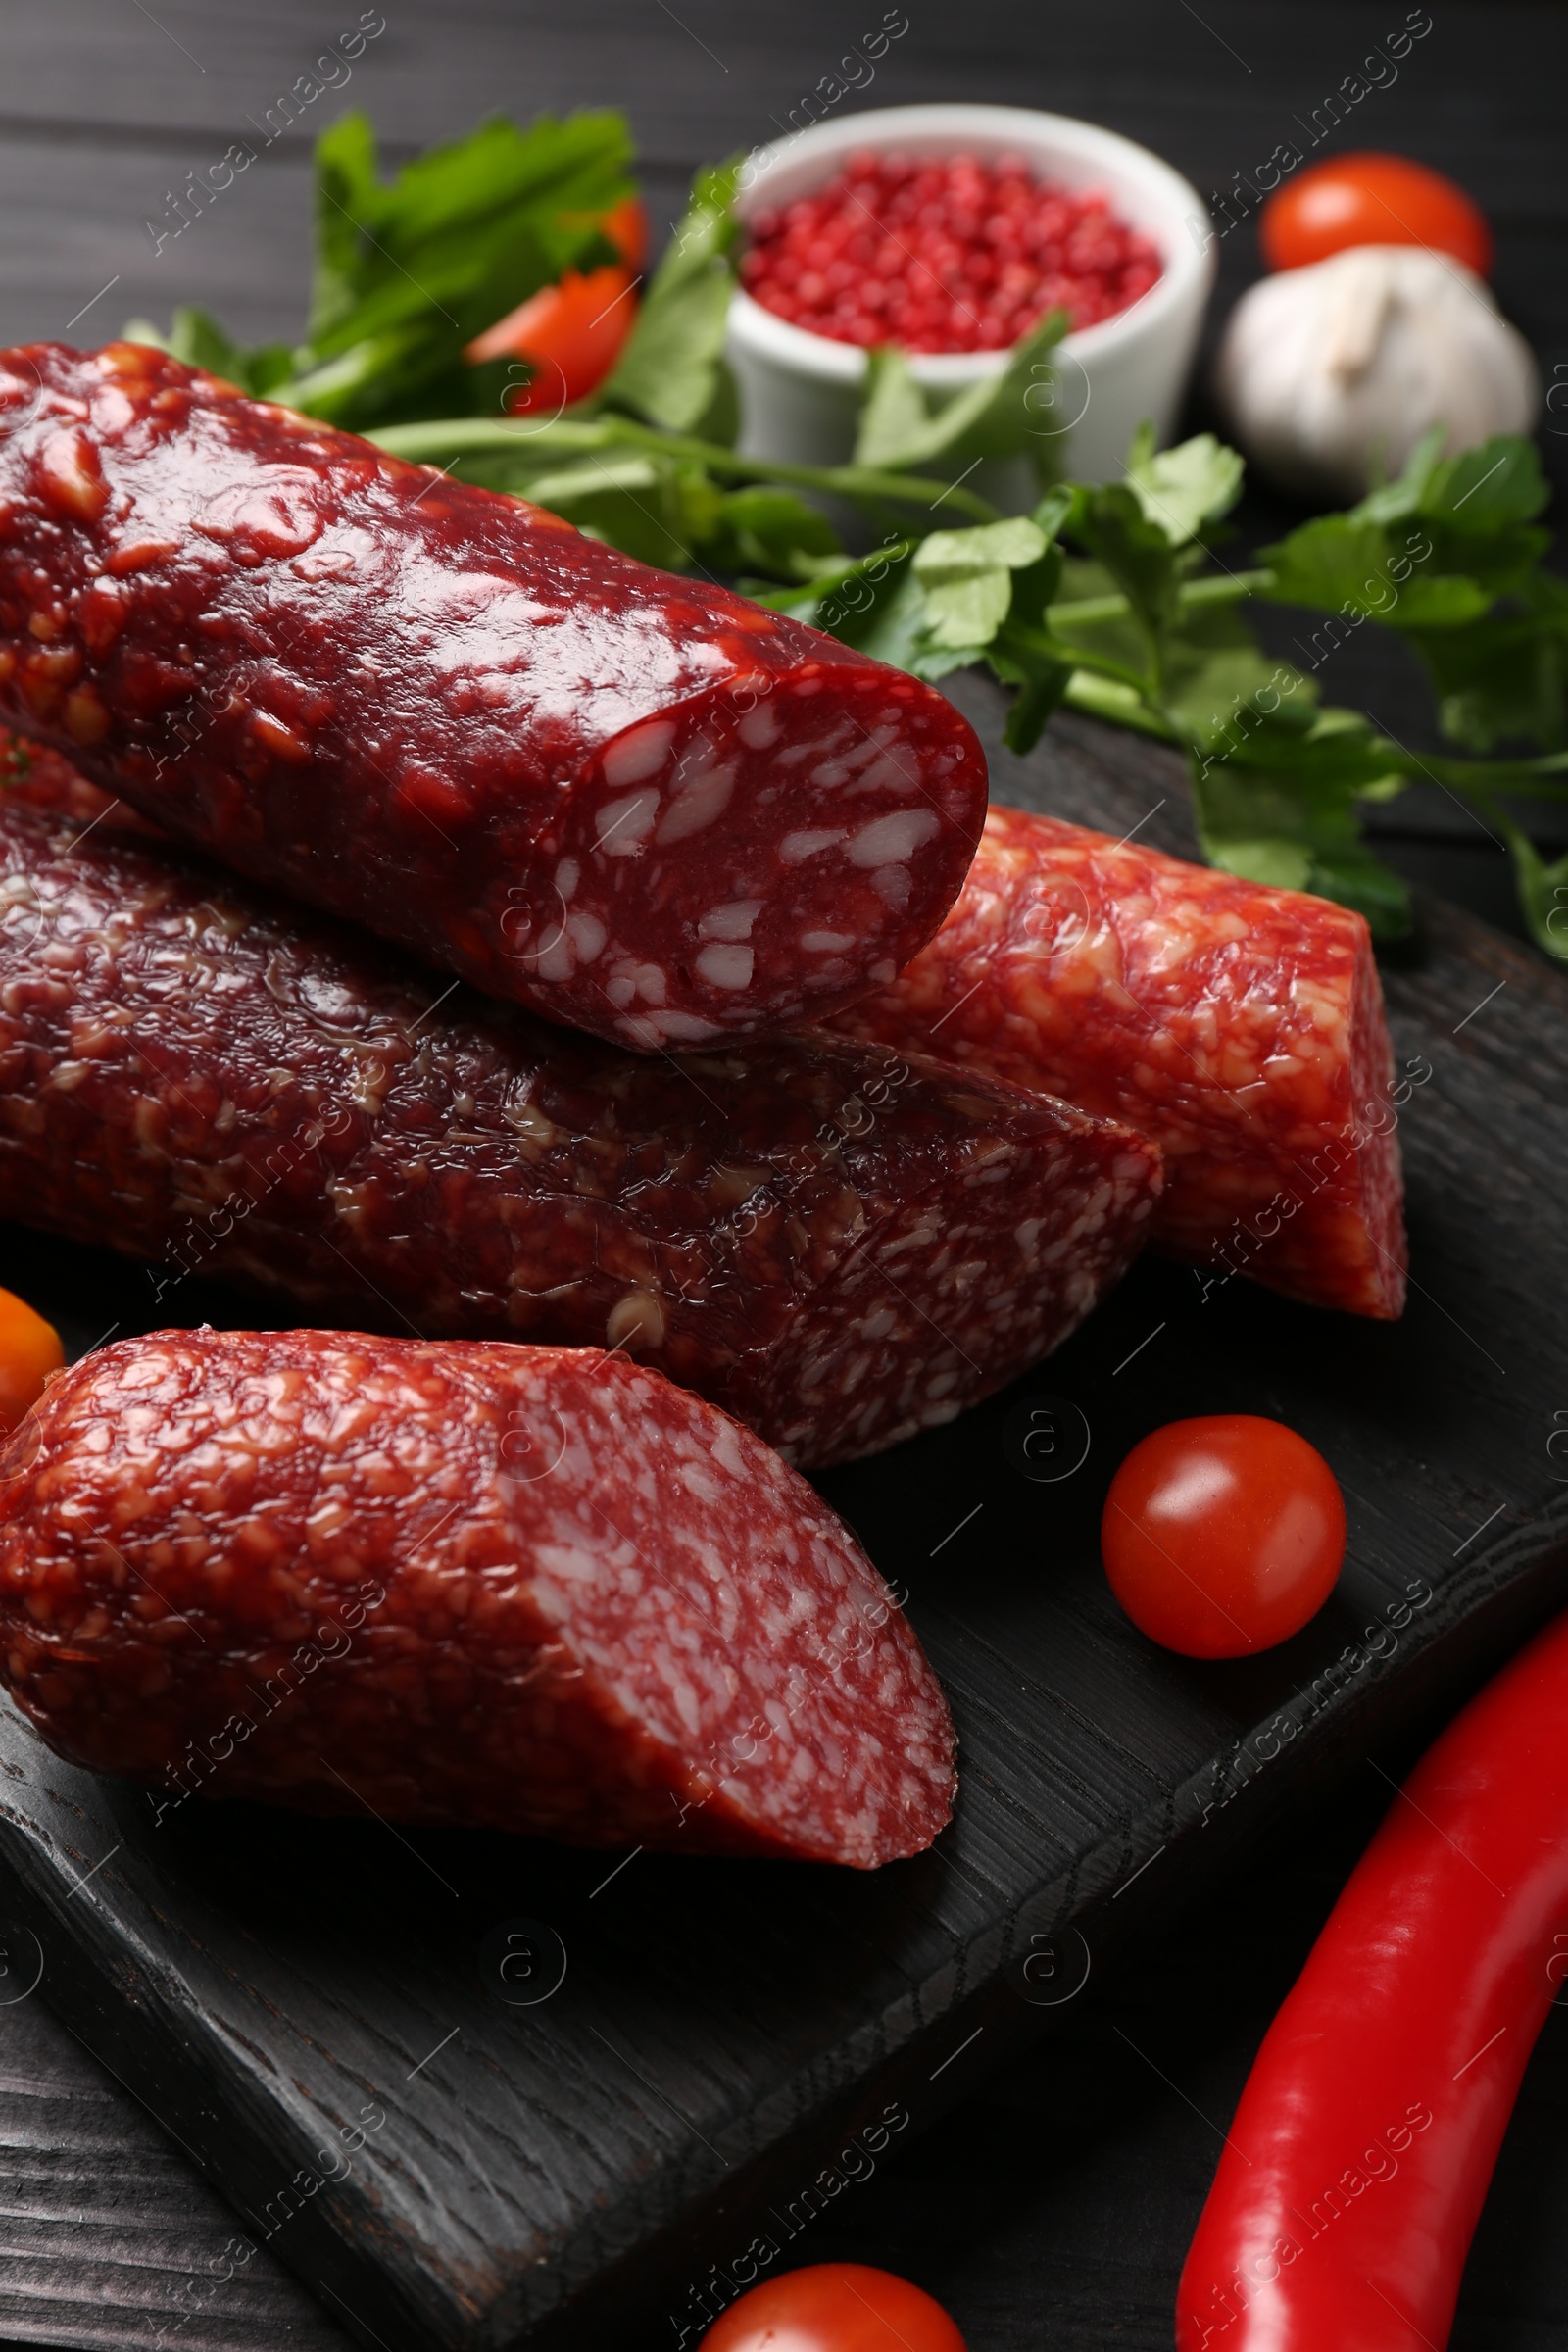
pixel 1054 2210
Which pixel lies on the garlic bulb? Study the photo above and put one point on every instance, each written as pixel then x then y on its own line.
pixel 1328 372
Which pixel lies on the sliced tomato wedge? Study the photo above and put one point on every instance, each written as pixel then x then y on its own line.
pixel 626 227
pixel 572 334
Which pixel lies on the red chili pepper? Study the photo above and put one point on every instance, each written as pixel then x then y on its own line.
pixel 1356 2167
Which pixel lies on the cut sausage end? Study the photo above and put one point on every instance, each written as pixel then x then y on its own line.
pixel 751 860
pixel 533 1589
pixel 1238 1027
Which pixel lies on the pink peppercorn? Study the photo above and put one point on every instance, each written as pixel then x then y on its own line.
pixel 948 255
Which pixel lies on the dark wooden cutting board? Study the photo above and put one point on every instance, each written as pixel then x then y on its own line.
pixel 318 2011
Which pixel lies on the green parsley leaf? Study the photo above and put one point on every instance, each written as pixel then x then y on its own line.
pixel 765 529
pixel 652 508
pixel 1504 678
pixel 671 371
pixel 1112 525
pixel 968 578
pixel 1396 501
pixel 1490 487
pixel 1184 488
pixel 1476 508
pixel 1041 683
pixel 1221 687
pixel 894 416
pixel 998 418
pixel 888 623
pixel 1542 888
pixel 1374 571
pixel 1296 830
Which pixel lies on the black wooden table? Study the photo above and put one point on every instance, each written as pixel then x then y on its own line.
pixel 1067 2237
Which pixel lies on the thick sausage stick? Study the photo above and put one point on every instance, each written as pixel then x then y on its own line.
pixel 1238 1027
pixel 514 1588
pixel 647 807
pixel 839 1245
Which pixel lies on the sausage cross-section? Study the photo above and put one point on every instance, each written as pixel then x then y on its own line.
pixel 1238 1027
pixel 839 1243
pixel 644 805
pixel 512 1587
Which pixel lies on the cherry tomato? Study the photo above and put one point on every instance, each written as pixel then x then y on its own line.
pixel 1371 200
pixel 834 2307
pixel 1222 1536
pixel 573 334
pixel 29 1350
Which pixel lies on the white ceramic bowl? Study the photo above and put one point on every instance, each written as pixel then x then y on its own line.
pixel 799 390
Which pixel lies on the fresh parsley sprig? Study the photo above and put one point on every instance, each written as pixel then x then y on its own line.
pixel 1111 600
pixel 409 271
pixel 1110 597
pixel 627 465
